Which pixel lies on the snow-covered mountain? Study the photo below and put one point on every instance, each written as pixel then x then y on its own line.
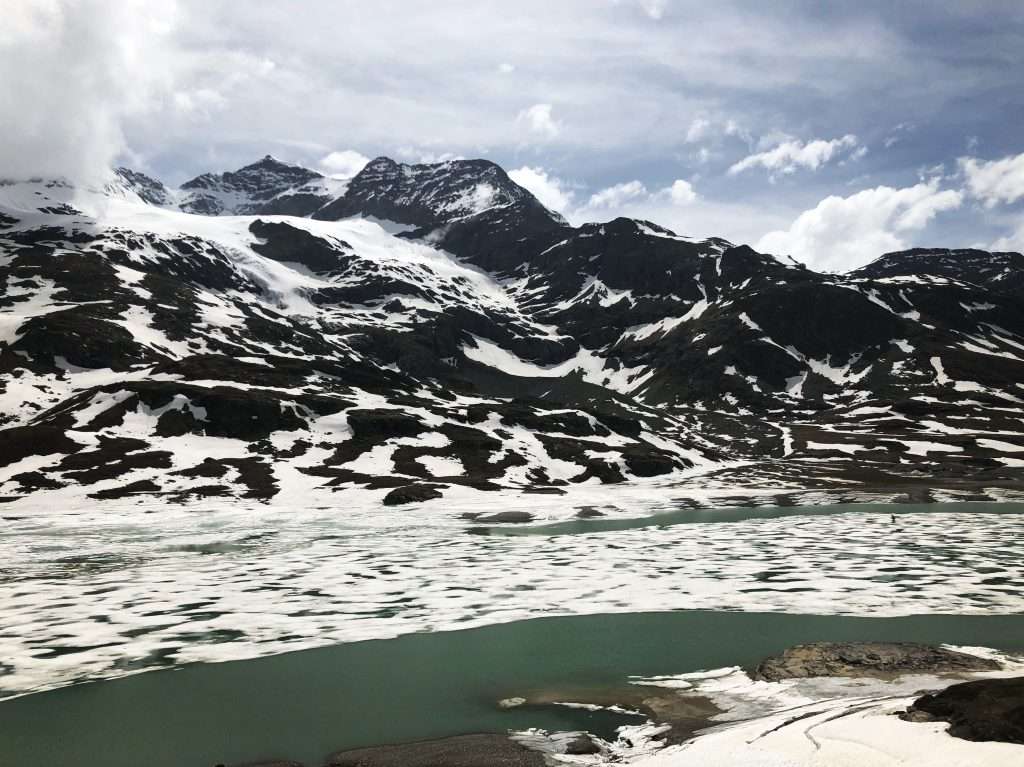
pixel 271 333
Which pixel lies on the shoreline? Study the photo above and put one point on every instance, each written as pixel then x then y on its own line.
pixel 425 686
pixel 685 712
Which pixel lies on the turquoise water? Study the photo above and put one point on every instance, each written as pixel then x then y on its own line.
pixel 305 704
pixel 871 513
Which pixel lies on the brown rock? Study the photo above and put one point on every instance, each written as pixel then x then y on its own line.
pixel 875 659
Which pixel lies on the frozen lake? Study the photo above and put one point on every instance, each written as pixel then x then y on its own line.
pixel 91 596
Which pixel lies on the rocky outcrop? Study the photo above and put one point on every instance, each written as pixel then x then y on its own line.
pixel 412 494
pixel 986 709
pixel 875 659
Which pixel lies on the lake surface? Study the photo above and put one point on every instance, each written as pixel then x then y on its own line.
pixel 107 593
pixel 302 705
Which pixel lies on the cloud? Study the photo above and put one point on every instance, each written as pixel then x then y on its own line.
pixel 420 155
pixel 550 190
pixel 617 195
pixel 842 233
pixel 681 192
pixel 700 128
pixel 996 181
pixel 633 199
pixel 714 130
pixel 343 164
pixel 539 122
pixel 506 68
pixel 790 155
pixel 74 72
pixel 1013 241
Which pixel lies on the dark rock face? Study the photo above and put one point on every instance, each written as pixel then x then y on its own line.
pixel 265 187
pixel 149 189
pixel 428 196
pixel 582 745
pixel 459 751
pixel 286 243
pixel 983 710
pixel 411 494
pixel 853 659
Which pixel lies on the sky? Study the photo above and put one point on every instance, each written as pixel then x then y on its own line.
pixel 832 132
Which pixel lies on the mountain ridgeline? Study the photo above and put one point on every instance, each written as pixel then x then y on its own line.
pixel 420 331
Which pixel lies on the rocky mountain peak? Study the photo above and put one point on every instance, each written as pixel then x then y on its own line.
pixel 430 195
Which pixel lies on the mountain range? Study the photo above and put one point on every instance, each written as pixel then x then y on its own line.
pixel 418 331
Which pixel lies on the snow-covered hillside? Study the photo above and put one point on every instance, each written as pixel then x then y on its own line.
pixel 273 333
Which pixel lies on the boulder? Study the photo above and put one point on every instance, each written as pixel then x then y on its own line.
pixel 875 659
pixel 411 494
pixel 986 709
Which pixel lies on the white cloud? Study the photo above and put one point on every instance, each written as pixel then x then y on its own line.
pixel 681 192
pixel 1013 241
pixel 790 155
pixel 201 103
pixel 617 195
pixel 996 181
pixel 506 68
pixel 539 122
pixel 420 155
pixel 633 199
pixel 715 129
pixel 550 190
pixel 73 72
pixel 699 129
pixel 842 233
pixel 343 164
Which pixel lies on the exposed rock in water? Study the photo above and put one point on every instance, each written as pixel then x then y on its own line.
pixel 459 751
pixel 411 494
pixel 878 659
pixel 986 709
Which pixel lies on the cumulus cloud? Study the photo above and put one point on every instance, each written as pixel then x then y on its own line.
pixel 343 164
pixel 842 233
pixel 73 72
pixel 790 155
pixel 625 197
pixel 681 192
pixel 707 129
pixel 1013 241
pixel 538 121
pixel 549 189
pixel 633 199
pixel 699 129
pixel 995 181
pixel 617 195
